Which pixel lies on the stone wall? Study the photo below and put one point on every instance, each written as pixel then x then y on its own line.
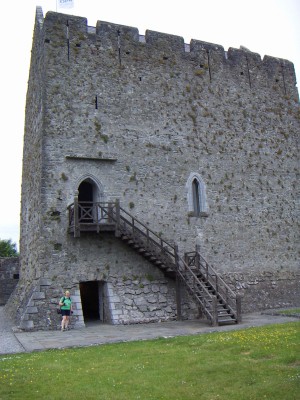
pixel 134 291
pixel 9 277
pixel 266 290
pixel 138 117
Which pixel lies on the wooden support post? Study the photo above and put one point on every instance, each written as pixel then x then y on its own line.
pixel 178 297
pixel 178 285
pixel 238 308
pixel 197 257
pixel 117 229
pixel 76 216
pixel 109 213
pixel 215 311
pixel 186 258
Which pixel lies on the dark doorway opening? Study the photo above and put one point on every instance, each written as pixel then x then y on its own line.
pixel 85 192
pixel 90 300
pixel 85 199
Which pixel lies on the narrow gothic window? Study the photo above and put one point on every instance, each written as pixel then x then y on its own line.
pixel 196 196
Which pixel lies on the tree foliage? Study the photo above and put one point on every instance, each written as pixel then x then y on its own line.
pixel 8 248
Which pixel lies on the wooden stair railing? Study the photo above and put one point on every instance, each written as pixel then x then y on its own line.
pixel 217 301
pixel 214 282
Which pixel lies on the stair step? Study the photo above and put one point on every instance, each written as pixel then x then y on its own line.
pixel 224 314
pixel 163 266
pixel 227 321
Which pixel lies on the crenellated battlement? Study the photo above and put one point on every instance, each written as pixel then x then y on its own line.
pixel 240 65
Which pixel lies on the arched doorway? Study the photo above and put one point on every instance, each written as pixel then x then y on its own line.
pixel 85 190
pixel 88 195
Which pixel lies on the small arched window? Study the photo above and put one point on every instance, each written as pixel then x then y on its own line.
pixel 196 196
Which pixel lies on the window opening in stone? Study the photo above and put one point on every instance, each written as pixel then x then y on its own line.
pixel 119 46
pixel 68 40
pixel 196 197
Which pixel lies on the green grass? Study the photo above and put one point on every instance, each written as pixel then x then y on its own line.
pixel 291 311
pixel 256 363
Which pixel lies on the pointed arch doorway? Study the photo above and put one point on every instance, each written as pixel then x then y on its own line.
pixel 89 193
pixel 86 192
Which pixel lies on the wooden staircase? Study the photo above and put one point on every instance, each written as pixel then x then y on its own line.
pixel 217 301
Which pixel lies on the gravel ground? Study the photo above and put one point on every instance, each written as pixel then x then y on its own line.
pixel 8 341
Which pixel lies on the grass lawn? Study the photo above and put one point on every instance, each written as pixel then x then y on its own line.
pixel 292 311
pixel 256 363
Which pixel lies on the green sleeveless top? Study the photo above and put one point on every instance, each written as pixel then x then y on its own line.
pixel 67 303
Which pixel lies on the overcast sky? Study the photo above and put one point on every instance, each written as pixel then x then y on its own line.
pixel 267 27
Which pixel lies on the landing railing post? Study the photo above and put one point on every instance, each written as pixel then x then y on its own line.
pixel 215 311
pixel 206 267
pixel 76 216
pixel 178 286
pixel 197 258
pixel 238 308
pixel 109 212
pixel 186 258
pixel 117 230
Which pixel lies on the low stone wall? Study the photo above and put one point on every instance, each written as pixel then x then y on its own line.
pixel 144 301
pixel 267 290
pixel 129 301
pixel 9 277
pixel 131 298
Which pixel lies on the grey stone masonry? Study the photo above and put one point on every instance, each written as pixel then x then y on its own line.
pixel 198 143
pixel 9 277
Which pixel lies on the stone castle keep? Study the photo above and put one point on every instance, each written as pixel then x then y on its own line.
pixel 149 165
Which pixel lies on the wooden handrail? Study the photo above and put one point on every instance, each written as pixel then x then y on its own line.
pixel 209 271
pixel 146 232
pixel 216 281
pixel 196 286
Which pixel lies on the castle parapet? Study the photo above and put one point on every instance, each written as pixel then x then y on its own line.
pixel 113 33
pixel 240 65
pixel 164 41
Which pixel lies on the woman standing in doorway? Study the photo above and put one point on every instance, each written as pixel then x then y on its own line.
pixel 66 309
